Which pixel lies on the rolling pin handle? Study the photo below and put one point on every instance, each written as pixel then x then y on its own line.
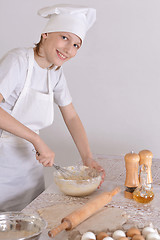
pixel 64 225
pixel 115 191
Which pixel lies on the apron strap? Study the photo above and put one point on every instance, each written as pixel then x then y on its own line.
pixel 28 78
pixel 30 68
pixel 50 90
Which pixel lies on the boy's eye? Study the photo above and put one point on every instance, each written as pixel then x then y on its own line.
pixel 64 37
pixel 76 45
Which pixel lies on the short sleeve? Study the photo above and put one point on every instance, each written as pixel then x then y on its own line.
pixel 9 74
pixel 62 95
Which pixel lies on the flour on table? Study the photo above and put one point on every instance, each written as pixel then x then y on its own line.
pixel 105 219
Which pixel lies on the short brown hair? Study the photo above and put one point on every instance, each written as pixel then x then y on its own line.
pixel 37 49
pixel 38 45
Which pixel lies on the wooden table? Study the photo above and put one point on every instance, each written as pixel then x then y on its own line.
pixel 140 214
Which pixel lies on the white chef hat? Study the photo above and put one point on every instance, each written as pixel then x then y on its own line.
pixel 68 18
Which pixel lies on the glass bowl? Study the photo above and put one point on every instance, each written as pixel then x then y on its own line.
pixel 82 184
pixel 20 226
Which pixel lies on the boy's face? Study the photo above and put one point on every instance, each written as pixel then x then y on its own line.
pixel 59 47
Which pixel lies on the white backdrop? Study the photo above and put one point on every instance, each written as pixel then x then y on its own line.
pixel 114 80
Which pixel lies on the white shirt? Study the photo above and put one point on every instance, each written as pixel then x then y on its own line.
pixel 13 70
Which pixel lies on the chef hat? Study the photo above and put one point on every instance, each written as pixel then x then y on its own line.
pixel 68 18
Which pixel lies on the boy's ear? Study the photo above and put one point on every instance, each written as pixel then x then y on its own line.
pixel 44 35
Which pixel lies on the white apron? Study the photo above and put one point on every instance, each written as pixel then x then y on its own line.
pixel 21 175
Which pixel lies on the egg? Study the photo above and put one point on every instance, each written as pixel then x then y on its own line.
pixel 123 238
pixel 153 236
pixel 108 238
pixel 88 236
pixel 132 231
pixel 138 237
pixel 118 233
pixel 148 230
pixel 101 235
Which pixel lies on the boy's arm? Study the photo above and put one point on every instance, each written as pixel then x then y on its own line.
pixel 79 136
pixel 10 124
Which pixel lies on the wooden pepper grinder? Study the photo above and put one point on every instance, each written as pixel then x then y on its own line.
pixel 132 164
pixel 146 158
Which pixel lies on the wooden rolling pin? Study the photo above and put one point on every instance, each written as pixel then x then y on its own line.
pixel 81 214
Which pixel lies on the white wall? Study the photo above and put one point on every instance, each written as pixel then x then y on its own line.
pixel 114 80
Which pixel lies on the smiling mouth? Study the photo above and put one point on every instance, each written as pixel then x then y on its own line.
pixel 61 56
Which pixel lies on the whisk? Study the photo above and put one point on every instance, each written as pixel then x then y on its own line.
pixel 65 173
pixel 74 175
pixel 77 174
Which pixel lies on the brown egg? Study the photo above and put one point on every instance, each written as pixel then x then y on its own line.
pixel 101 235
pixel 132 231
pixel 123 238
pixel 138 237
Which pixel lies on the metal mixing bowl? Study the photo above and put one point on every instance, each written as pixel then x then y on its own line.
pixel 77 187
pixel 20 226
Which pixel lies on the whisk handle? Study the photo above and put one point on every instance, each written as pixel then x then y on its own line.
pixel 56 167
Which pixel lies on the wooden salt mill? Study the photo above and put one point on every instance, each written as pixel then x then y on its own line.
pixel 146 158
pixel 132 164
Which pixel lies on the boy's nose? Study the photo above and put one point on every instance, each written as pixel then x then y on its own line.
pixel 67 49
